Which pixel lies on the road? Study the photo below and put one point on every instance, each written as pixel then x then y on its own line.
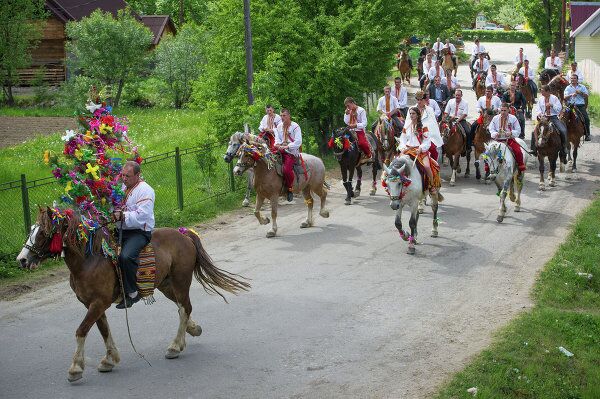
pixel 338 310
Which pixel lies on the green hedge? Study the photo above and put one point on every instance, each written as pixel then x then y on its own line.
pixel 504 36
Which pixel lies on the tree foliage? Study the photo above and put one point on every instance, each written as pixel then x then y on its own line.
pixel 111 50
pixel 543 17
pixel 510 15
pixel 179 62
pixel 181 11
pixel 19 34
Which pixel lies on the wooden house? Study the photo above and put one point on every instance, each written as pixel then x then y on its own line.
pixel 51 53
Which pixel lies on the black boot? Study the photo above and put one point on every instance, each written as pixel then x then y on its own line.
pixel 348 187
pixel 128 301
pixel 290 196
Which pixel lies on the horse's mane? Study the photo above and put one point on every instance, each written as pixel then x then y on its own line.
pixel 556 81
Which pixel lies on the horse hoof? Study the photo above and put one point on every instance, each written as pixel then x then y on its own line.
pixel 245 203
pixel 270 234
pixel 347 201
pixel 304 225
pixel 467 174
pixel 499 219
pixel 172 353
pixel 356 193
pixel 72 377
pixel 542 187
pixel 517 208
pixel 434 234
pixel 552 184
pixel 194 331
pixel 105 366
pixel 452 183
pixel 372 192
pixel 324 214
pixel 411 250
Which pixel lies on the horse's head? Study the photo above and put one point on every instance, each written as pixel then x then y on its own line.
pixel 544 130
pixel 46 237
pixel 340 140
pixel 235 141
pixel 447 127
pixel 248 155
pixel 396 178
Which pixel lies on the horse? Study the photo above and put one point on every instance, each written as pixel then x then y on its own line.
pixel 404 184
pixel 420 61
pixel 480 85
pixel 557 87
pixel 235 141
pixel 505 173
pixel 385 134
pixel 548 145
pixel 447 63
pixel 347 153
pixel 268 184
pixel 404 66
pixel 455 144
pixel 482 136
pixel 526 90
pixel 575 131
pixel 472 63
pixel 546 75
pixel 179 256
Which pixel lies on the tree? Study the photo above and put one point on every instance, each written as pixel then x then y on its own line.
pixel 19 34
pixel 180 10
pixel 510 16
pixel 109 49
pixel 543 17
pixel 179 61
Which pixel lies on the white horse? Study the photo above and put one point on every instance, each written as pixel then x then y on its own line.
pixel 505 173
pixel 405 187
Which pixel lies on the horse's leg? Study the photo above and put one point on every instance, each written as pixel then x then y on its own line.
pixel 412 239
pixel 374 168
pixel 518 181
pixel 358 181
pixel 250 183
pixel 468 171
pixel 542 185
pixel 274 203
pixel 192 328
pixel 477 172
pixel 259 201
pixel 95 310
pixel 308 200
pixel 434 209
pixel 347 186
pixel 321 191
pixel 574 169
pixel 178 344
pixel 453 166
pixel 112 357
pixel 503 192
pixel 398 222
pixel 551 174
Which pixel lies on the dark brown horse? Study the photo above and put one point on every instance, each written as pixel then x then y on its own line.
pixel 526 90
pixel 455 144
pixel 557 87
pixel 385 134
pixel 482 136
pixel 447 63
pixel 575 131
pixel 179 256
pixel 404 66
pixel 546 75
pixel 547 141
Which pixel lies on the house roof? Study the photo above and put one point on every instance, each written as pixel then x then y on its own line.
pixel 580 12
pixel 157 24
pixel 75 10
pixel 590 27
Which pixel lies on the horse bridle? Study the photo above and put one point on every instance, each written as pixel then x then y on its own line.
pixel 33 248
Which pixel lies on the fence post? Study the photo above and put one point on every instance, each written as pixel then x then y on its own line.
pixel 178 179
pixel 25 200
pixel 231 179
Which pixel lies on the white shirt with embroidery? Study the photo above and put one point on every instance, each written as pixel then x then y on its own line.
pixel 495 103
pixel 477 49
pixel 401 95
pixel 500 80
pixel 451 109
pixel 361 118
pixel 578 73
pixel 264 123
pixel 518 58
pixel 555 105
pixel 294 138
pixel 139 208
pixel 511 128
pixel 433 72
pixel 555 63
pixel 408 138
pixel 530 73
pixel 381 104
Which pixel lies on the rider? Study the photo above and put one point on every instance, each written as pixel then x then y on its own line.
pixel 288 139
pixel 434 105
pixel 437 48
pixel 549 106
pixel 528 75
pixel 553 62
pixel 520 58
pixel 505 126
pixel 576 94
pixel 356 119
pixel 489 104
pixel 451 83
pixel 517 101
pixel 268 124
pixel 428 119
pixel 495 79
pixel 388 106
pixel 438 92
pixel 576 71
pixel 401 95
pixel 452 50
pixel 481 66
pixel 136 217
pixel 415 141
pixel 478 48
pixel 427 65
pixel 457 110
pixel 436 70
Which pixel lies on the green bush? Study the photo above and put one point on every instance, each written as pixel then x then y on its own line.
pixel 511 36
pixel 74 92
pixel 145 93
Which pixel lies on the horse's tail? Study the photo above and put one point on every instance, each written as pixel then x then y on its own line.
pixel 210 276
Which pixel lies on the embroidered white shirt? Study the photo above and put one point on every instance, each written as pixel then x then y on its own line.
pixel 495 103
pixel 518 58
pixel 477 49
pixel 139 208
pixel 481 67
pixel 408 138
pixel 294 140
pixel 555 63
pixel 401 95
pixel 555 105
pixel 500 80
pixel 381 105
pixel 578 73
pixel 361 118
pixel 451 109
pixel 432 73
pixel 530 72
pixel 511 129
pixel 264 123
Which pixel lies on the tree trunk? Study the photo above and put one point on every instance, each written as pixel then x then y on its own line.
pixel 119 91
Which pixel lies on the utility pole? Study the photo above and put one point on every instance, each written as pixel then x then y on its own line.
pixel 248 42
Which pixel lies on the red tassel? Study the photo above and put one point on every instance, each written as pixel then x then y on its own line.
pixel 346 144
pixel 330 143
pixel 56 243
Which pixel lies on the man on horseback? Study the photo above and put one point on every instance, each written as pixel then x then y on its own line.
pixel 436 71
pixel 268 124
pixel 451 49
pixel 517 102
pixel 576 94
pixel 428 118
pixel 550 107
pixel 520 58
pixel 427 65
pixel 288 139
pixel 388 106
pixel 401 95
pixel 136 222
pixel 438 92
pixel 488 104
pixel 356 119
pixel 528 76
pixel 480 69
pixel 437 48
pixel 457 110
pixel 575 71
pixel 553 62
pixel 495 79
pixel 505 127
pixel 478 48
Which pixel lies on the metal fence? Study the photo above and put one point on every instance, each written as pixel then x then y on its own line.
pixel 184 181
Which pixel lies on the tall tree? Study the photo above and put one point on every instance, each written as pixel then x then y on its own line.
pixel 543 17
pixel 19 34
pixel 109 49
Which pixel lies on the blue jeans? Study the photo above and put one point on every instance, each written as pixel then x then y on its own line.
pixel 133 242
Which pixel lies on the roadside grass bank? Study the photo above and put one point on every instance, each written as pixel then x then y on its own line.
pixel 526 359
pixel 594 108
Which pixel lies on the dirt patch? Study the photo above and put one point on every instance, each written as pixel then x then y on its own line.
pixel 17 129
pixel 12 290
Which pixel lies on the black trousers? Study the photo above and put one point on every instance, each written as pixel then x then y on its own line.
pixel 586 119
pixel 471 134
pixel 133 242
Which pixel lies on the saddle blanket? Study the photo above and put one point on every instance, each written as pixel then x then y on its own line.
pixel 146 273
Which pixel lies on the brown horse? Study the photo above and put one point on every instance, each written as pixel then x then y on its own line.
pixel 455 144
pixel 480 86
pixel 447 63
pixel 575 131
pixel 385 134
pixel 557 86
pixel 482 136
pixel 526 90
pixel 404 66
pixel 268 184
pixel 547 141
pixel 179 256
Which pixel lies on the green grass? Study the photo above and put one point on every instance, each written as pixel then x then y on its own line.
pixel 524 361
pixel 594 109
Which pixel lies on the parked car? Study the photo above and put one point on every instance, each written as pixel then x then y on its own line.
pixel 490 26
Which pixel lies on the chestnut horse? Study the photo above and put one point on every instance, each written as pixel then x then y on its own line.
pixel 386 143
pixel 447 63
pixel 526 90
pixel 480 85
pixel 557 87
pixel 404 66
pixel 455 144
pixel 179 256
pixel 268 184
pixel 547 141
pixel 546 75
pixel 575 131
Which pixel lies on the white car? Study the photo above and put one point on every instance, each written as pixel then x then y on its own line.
pixel 490 26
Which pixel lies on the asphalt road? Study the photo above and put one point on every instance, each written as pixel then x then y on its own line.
pixel 338 310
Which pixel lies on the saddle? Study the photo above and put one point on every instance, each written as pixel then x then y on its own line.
pixel 299 166
pixel 145 276
pixel 435 169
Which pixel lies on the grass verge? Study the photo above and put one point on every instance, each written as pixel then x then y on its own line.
pixel 525 361
pixel 594 109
